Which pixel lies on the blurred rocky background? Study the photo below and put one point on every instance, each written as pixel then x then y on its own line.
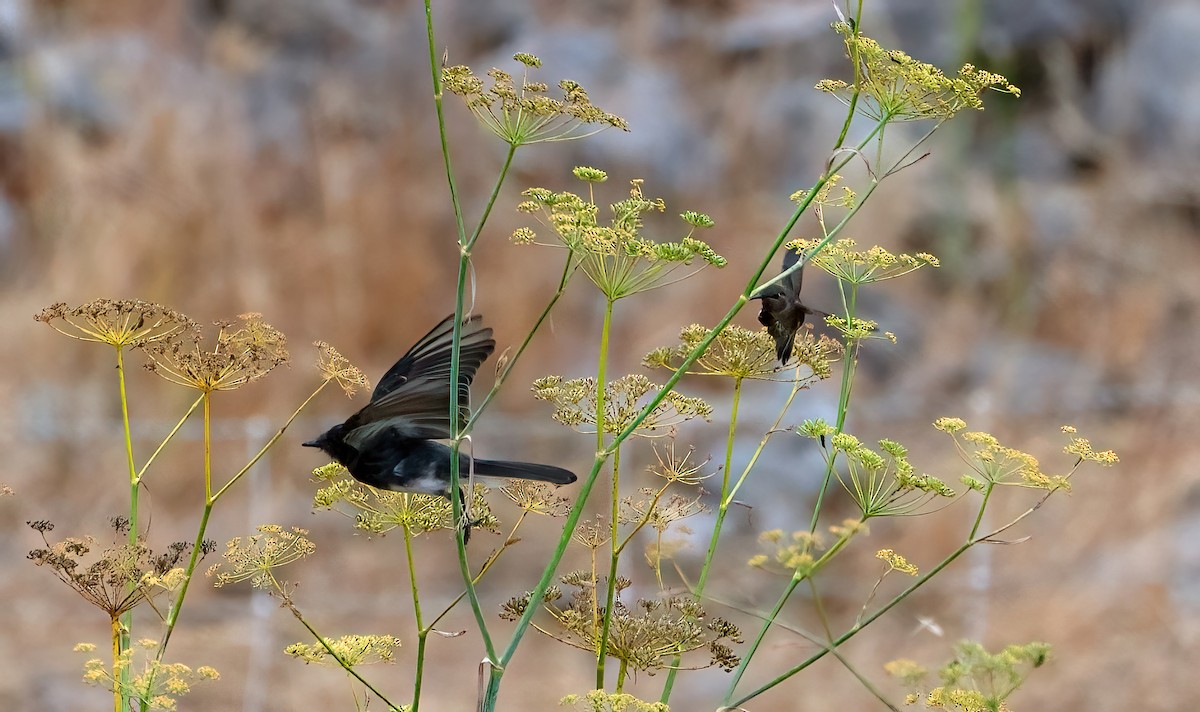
pixel 225 156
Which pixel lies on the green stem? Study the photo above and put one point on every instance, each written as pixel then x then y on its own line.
pixel 610 596
pixel 601 386
pixel 621 674
pixel 125 631
pixel 422 634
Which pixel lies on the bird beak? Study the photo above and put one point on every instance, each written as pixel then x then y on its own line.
pixel 311 443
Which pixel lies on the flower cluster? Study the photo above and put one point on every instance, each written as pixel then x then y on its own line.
pixel 616 257
pixel 336 367
pixel 158 682
pixel 882 483
pixel 645 637
pixel 858 267
pixel 601 701
pixel 255 558
pixel 380 511
pixel 245 350
pixel 351 650
pixel 575 404
pixel 119 577
pixel 974 680
pixel 742 353
pixel 992 463
pixel 117 322
pixel 527 114
pixel 892 86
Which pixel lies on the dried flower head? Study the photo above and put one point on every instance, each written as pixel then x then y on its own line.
pixel 117 578
pixel 158 682
pixel 117 322
pixel 527 114
pixel 255 558
pixel 351 650
pixel 645 637
pixel 675 469
pixel 659 511
pixel 575 404
pixel 537 498
pixel 840 259
pixel 336 367
pixel 892 86
pixel 616 257
pixel 380 511
pixel 246 350
pixel 742 353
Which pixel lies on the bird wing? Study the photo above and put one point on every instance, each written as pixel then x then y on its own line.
pixel 791 283
pixel 413 397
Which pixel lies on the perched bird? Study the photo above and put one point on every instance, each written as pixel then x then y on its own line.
pixel 390 443
pixel 782 311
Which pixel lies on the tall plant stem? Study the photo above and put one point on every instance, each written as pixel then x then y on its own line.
pixel 422 632
pixel 125 630
pixel 601 386
pixel 610 594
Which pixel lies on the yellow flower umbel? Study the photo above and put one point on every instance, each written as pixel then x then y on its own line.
pixel 601 701
pixel 159 684
pixel 246 350
pixel 575 404
pixel 525 114
pixel 994 464
pixel 353 650
pixel 974 680
pixel 882 484
pixel 892 86
pixel 615 257
pixel 742 353
pixel 379 511
pixel 255 558
pixel 116 322
pixel 859 267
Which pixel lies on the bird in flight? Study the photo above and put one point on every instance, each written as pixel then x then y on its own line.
pixel 782 311
pixel 391 444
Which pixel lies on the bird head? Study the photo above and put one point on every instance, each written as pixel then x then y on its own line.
pixel 328 440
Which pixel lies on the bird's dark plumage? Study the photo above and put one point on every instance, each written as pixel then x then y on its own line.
pixel 782 311
pixel 389 444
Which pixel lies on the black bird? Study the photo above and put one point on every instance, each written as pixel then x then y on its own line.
pixel 782 311
pixel 389 444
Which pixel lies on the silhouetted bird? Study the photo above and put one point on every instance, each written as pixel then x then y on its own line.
pixel 782 311
pixel 389 444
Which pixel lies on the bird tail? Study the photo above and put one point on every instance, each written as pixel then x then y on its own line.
pixel 523 471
